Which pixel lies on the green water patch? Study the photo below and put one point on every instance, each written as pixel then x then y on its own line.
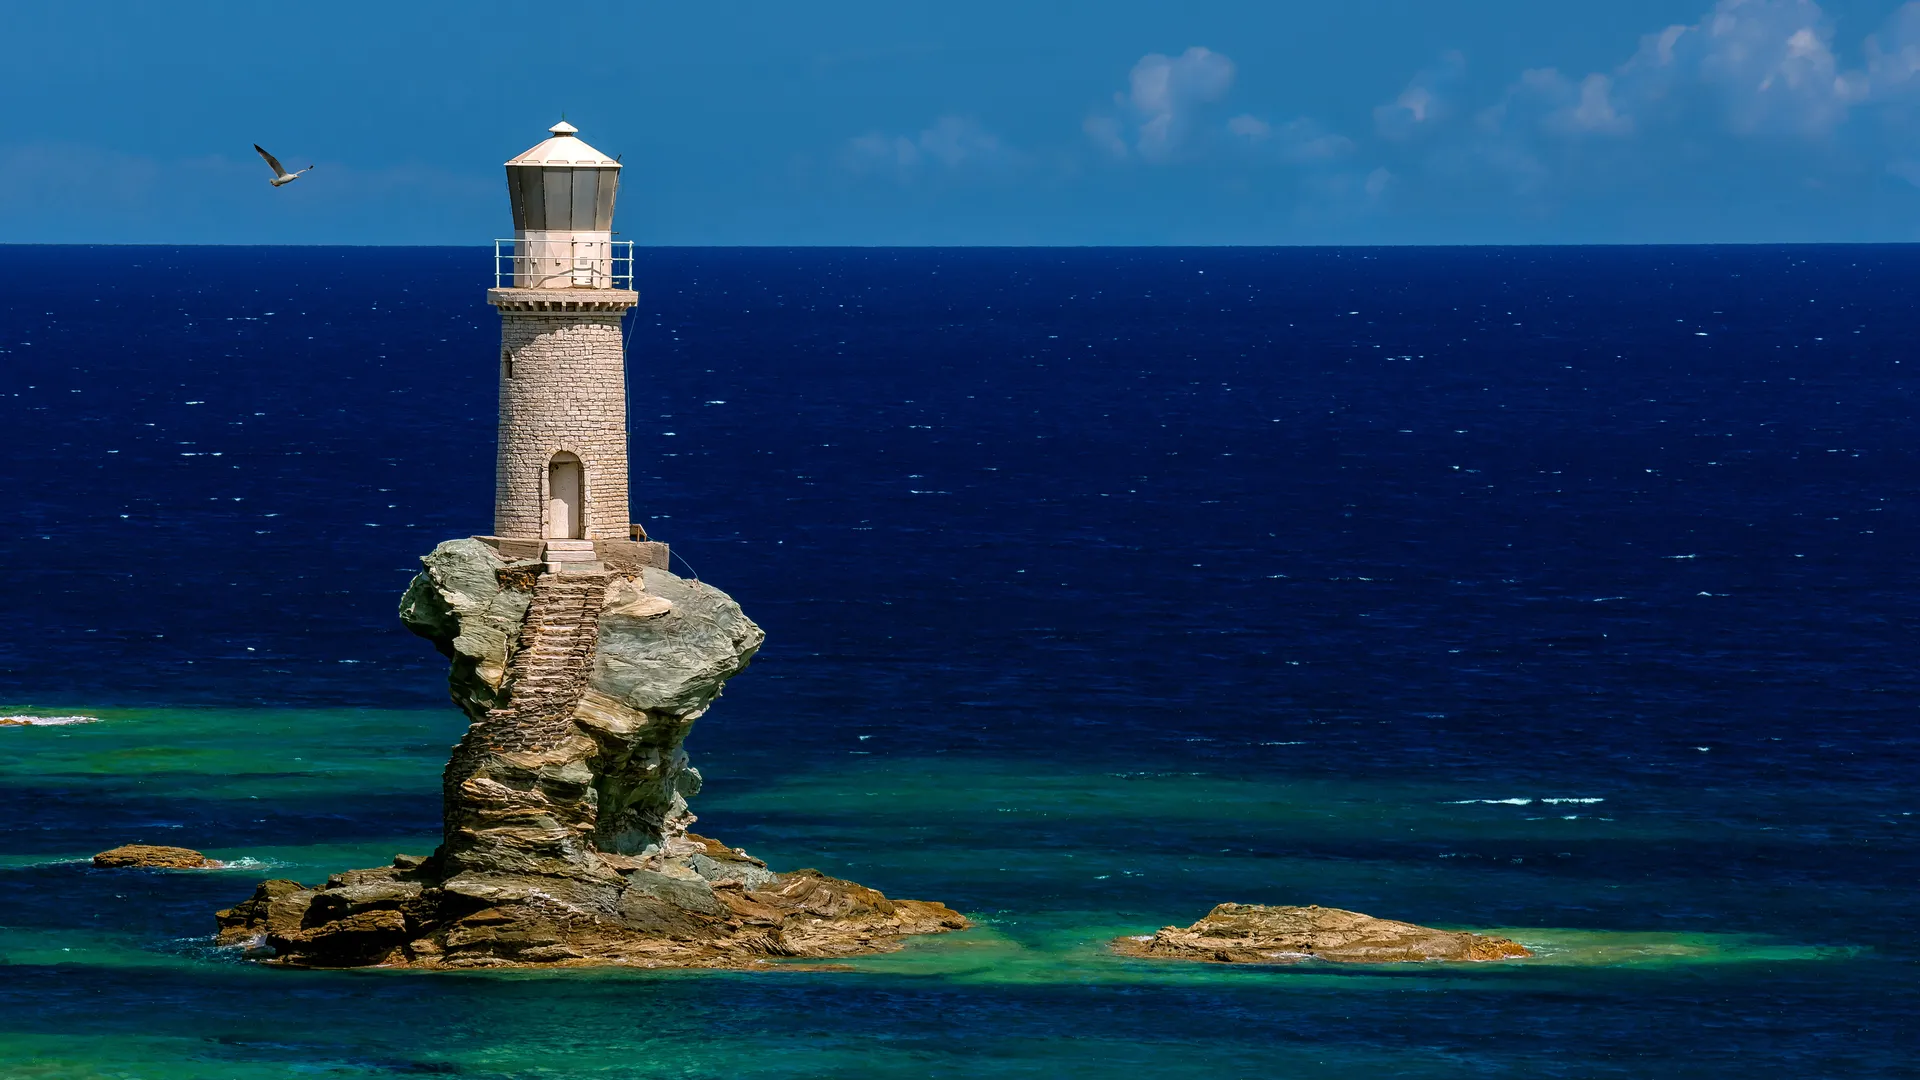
pixel 1072 948
pixel 522 1052
pixel 998 836
pixel 41 946
pixel 309 863
pixel 997 796
pixel 1647 949
pixel 31 1056
pixel 904 1014
pixel 238 753
pixel 1053 861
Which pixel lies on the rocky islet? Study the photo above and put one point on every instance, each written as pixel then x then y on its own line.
pixel 154 857
pixel 1260 934
pixel 566 828
pixel 567 834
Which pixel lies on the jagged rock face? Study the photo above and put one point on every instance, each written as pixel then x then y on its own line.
pixel 575 747
pixel 470 602
pixel 565 802
pixel 705 906
pixel 1257 934
pixel 653 675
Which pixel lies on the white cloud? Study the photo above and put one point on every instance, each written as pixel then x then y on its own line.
pixel 1769 63
pixel 1157 109
pixel 1750 68
pixel 952 142
pixel 1767 82
pixel 1424 102
pixel 1303 142
pixel 1298 142
pixel 876 149
pixel 1594 110
pixel 1745 72
pixel 1545 98
pixel 1250 127
pixel 1105 131
pixel 1893 53
pixel 1166 90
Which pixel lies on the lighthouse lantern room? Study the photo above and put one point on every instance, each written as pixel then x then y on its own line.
pixel 561 478
pixel 562 193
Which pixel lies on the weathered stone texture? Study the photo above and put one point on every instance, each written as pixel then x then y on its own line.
pixel 629 557
pixel 1258 934
pixel 470 603
pixel 566 823
pixel 562 389
pixel 153 857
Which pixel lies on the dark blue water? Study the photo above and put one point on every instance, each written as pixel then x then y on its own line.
pixel 1622 524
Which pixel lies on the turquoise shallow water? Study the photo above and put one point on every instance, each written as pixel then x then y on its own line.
pixel 115 979
pixel 1101 586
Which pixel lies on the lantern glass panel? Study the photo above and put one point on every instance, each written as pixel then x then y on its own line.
pixel 603 209
pixel 557 193
pixel 584 201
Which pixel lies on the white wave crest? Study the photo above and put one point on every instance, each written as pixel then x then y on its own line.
pixel 1524 802
pixel 46 721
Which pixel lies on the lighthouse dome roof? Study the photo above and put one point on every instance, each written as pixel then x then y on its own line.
pixel 564 148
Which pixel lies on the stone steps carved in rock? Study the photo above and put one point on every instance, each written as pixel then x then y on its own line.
pixel 546 676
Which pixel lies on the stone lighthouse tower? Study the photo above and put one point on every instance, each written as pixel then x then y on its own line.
pixel 562 479
pixel 564 806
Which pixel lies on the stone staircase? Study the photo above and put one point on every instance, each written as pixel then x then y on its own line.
pixel 571 556
pixel 549 672
pixel 546 677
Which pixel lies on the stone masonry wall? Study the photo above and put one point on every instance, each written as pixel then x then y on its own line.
pixel 567 392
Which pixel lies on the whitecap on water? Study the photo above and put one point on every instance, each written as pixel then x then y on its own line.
pixel 46 721
pixel 1522 802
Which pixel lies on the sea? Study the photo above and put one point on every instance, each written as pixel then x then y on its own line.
pixel 1564 593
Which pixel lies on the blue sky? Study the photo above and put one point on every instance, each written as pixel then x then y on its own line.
pixel 987 122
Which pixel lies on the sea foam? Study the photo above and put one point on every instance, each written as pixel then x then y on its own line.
pixel 1522 802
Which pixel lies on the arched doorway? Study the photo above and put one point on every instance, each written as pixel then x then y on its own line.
pixel 566 498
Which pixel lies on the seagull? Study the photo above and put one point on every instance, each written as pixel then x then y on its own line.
pixel 280 174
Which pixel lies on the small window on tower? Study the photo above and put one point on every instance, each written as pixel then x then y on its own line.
pixel 506 362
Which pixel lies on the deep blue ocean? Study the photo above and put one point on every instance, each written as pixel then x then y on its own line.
pixel 1564 592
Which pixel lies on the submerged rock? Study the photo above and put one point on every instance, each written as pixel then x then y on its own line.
pixel 154 857
pixel 565 834
pixel 1257 934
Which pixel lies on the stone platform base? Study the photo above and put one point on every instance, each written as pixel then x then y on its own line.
pixel 619 556
pixel 700 904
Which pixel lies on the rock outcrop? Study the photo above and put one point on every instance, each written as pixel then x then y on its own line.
pixel 1257 934
pixel 704 905
pixel 154 857
pixel 565 804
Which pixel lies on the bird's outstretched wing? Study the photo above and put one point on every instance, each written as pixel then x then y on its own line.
pixel 271 160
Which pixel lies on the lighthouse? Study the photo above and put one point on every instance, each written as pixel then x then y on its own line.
pixel 562 287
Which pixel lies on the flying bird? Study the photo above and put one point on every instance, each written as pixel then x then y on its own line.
pixel 280 174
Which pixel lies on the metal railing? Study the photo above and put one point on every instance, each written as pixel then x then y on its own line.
pixel 562 264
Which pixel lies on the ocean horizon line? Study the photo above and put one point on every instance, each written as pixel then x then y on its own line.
pixel 1618 245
